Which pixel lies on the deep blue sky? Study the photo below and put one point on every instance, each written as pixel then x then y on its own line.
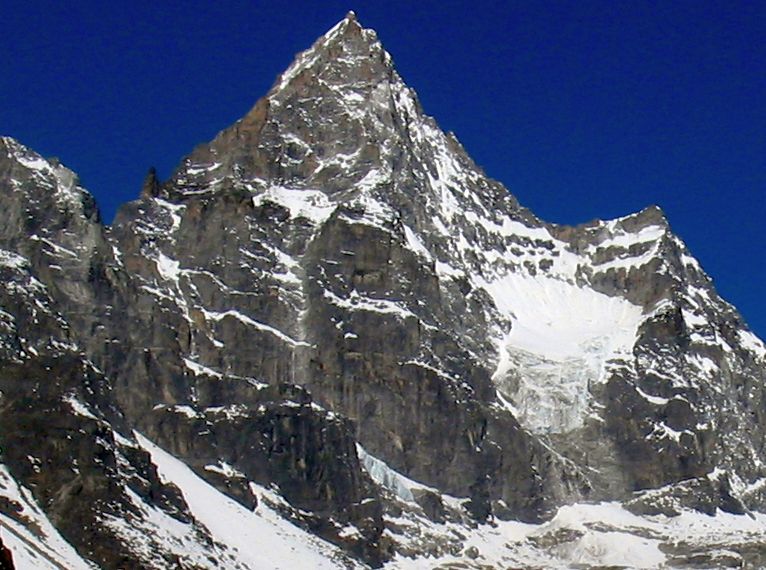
pixel 583 109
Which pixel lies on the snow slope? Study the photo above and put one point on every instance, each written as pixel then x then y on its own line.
pixel 255 539
pixel 598 536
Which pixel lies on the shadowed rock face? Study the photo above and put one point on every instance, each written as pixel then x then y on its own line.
pixel 333 270
pixel 6 559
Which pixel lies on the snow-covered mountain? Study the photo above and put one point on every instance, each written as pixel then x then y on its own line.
pixel 330 340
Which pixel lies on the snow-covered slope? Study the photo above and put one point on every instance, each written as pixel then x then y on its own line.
pixel 561 339
pixel 258 538
pixel 605 535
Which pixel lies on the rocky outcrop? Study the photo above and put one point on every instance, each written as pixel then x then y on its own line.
pixel 279 438
pixel 6 558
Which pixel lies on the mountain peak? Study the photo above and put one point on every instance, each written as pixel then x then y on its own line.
pixel 331 315
pixel 347 44
pixel 652 215
pixel 349 25
pixel 340 98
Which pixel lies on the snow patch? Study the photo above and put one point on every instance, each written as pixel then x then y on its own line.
pixel 752 343
pixel 201 370
pixel 312 205
pixel 216 316
pixel 169 269
pixel 414 243
pixel 79 408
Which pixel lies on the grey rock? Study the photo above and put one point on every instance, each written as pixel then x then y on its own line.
pixel 335 270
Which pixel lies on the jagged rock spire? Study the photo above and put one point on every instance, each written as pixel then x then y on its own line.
pixel 151 185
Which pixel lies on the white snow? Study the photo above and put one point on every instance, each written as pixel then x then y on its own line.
pixel 174 210
pixel 585 535
pixel 230 412
pixel 662 431
pixel 13 260
pixel 150 532
pixel 55 248
pixel 752 343
pixel 704 364
pixel 55 176
pixel 620 238
pixel 386 477
pixel 694 319
pixel 200 168
pixel 446 270
pixel 216 316
pixel 509 544
pixel 79 408
pixel 169 269
pixel 201 370
pixel 225 469
pixel 372 180
pixel 561 340
pixel 414 243
pixel 314 205
pixel 256 539
pixel 34 162
pixel 657 400
pixel 356 302
pixel 187 411
pixel 610 547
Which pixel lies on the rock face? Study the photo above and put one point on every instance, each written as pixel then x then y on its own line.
pixel 6 558
pixel 332 316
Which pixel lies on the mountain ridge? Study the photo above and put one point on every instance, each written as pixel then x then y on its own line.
pixel 345 306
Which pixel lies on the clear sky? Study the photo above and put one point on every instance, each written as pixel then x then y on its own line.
pixel 582 109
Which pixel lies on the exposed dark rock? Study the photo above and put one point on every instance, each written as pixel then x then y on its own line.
pixel 151 186
pixel 6 558
pixel 431 503
pixel 704 494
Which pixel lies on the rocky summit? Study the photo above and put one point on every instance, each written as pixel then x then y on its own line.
pixel 329 340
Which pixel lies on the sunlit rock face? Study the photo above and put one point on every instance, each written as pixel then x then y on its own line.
pixel 332 324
